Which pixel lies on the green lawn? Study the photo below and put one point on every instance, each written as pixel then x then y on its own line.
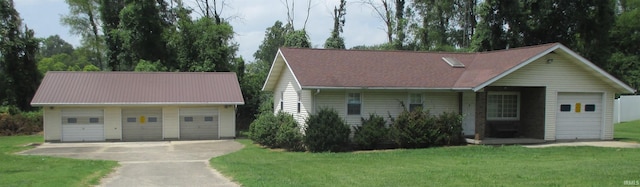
pixel 19 170
pixel 446 166
pixel 628 131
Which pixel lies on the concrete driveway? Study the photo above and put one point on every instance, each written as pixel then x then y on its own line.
pixel 167 163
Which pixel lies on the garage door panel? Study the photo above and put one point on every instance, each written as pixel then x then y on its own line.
pixel 579 123
pixel 142 124
pixel 82 124
pixel 198 123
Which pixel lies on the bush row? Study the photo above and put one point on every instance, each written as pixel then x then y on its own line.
pixel 20 123
pixel 326 131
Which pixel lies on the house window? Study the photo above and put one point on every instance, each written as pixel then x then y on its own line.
pixel 94 120
pixel 281 100
pixel 152 119
pixel 188 119
pixel 565 108
pixel 354 104
pixel 72 120
pixel 589 108
pixel 208 118
pixel 131 120
pixel 415 101
pixel 503 106
pixel 299 101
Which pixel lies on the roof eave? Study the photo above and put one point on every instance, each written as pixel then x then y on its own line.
pixel 136 104
pixel 383 88
pixel 266 86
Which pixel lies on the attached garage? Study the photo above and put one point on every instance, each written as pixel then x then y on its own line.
pixel 198 123
pixel 579 116
pixel 80 125
pixel 138 106
pixel 142 124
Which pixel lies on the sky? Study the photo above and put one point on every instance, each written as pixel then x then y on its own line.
pixel 249 19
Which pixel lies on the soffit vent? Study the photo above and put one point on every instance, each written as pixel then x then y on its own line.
pixel 453 62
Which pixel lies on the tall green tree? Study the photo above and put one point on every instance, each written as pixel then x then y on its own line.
pixel 84 20
pixel 54 45
pixel 582 25
pixel 335 41
pixel 274 38
pixel 297 38
pixel 141 30
pixel 19 76
pixel 110 17
pixel 624 63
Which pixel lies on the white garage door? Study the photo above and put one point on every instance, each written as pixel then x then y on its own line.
pixel 142 124
pixel 579 116
pixel 198 123
pixel 80 125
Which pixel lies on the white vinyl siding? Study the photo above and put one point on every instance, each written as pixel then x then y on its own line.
pixel 385 103
pixel 562 75
pixel 439 102
pixel 305 104
pixel 286 91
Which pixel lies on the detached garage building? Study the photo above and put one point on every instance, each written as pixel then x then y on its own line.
pixel 133 106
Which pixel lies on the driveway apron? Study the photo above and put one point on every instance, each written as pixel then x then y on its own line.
pixel 175 163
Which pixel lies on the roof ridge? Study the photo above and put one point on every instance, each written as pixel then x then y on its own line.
pixel 390 51
pixel 519 48
pixel 136 72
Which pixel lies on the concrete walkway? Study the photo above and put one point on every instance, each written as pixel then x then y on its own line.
pixel 175 163
pixel 613 144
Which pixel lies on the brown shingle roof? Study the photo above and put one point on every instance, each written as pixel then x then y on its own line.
pixel 104 88
pixel 317 68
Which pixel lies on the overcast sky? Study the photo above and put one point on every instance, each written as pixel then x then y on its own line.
pixel 249 19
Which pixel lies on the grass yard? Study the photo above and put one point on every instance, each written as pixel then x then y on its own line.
pixel 446 166
pixel 627 131
pixel 19 170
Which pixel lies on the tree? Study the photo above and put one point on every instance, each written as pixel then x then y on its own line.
pixel 274 38
pixel 581 25
pixel 141 30
pixel 624 63
pixel 84 20
pixel 54 45
pixel 335 41
pixel 297 38
pixel 110 17
pixel 395 16
pixel 18 71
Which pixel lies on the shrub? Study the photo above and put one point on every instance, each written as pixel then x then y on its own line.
pixel 288 136
pixel 24 123
pixel 326 131
pixel 371 133
pixel 263 129
pixel 449 127
pixel 418 129
pixel 411 129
